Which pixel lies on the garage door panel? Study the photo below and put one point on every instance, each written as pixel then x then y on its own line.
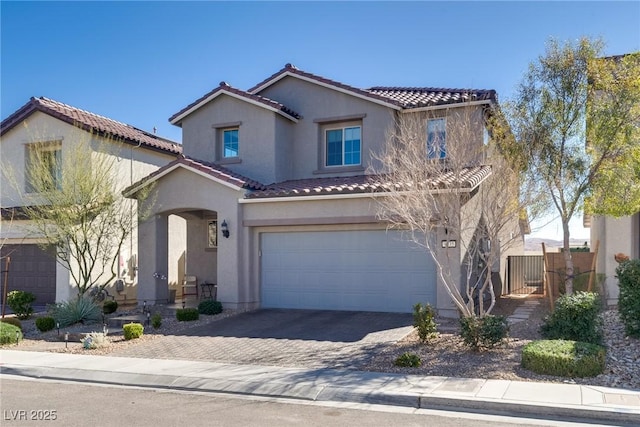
pixel 31 270
pixel 345 270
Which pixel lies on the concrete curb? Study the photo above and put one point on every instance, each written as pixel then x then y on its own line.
pixel 537 400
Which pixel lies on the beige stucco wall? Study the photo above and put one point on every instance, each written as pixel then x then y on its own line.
pixel 616 235
pixel 132 163
pixel 201 132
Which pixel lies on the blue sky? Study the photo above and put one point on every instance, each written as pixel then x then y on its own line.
pixel 140 62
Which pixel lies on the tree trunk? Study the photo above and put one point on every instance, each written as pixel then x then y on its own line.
pixel 568 260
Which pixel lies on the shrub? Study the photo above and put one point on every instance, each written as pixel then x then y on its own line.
pixel 45 324
pixel 8 333
pixel 187 314
pixel 564 358
pixel 109 306
pixel 79 310
pixel 408 360
pixel 628 273
pixel 424 321
pixel 12 321
pixel 576 318
pixel 210 307
pixel 20 303
pixel 95 340
pixel 132 330
pixel 156 320
pixel 483 332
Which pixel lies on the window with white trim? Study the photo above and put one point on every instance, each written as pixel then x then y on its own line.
pixel 230 143
pixel 43 166
pixel 343 146
pixel 437 138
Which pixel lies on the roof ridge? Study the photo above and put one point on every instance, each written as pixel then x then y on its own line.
pixel 425 89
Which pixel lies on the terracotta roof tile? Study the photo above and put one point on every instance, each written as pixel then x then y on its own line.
pixel 90 121
pixel 415 97
pixel 224 87
pixel 211 169
pixel 469 178
pixel 406 98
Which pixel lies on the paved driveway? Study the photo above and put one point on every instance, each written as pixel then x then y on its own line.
pixel 310 338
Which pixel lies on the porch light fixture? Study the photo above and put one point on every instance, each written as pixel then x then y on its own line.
pixel 225 229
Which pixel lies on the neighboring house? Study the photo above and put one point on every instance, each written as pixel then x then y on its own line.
pixel 280 210
pixel 616 235
pixel 45 124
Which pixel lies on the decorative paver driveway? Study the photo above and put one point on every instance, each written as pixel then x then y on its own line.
pixel 308 338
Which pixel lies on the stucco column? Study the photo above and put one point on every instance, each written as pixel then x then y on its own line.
pixel 153 261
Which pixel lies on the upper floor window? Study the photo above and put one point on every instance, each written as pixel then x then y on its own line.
pixel 343 146
pixel 230 143
pixel 43 167
pixel 437 138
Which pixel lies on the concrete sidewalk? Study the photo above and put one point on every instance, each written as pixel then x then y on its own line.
pixel 492 396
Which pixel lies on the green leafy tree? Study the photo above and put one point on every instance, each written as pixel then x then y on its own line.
pixel 565 160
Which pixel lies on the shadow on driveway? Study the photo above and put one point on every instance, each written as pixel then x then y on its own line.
pixel 310 325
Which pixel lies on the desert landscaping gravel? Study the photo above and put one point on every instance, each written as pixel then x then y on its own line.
pixel 445 355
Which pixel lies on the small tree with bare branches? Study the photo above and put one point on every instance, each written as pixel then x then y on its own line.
pixel 451 185
pixel 74 204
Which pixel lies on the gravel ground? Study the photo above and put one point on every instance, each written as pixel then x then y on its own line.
pixel 444 356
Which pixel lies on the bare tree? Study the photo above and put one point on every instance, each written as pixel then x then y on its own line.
pixel 452 186
pixel 74 203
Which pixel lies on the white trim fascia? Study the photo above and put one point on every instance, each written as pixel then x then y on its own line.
pixel 174 167
pixel 327 85
pixel 233 95
pixel 447 106
pixel 348 196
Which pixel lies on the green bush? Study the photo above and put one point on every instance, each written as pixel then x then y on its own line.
pixel 408 360
pixel 20 303
pixel 109 306
pixel 483 332
pixel 156 321
pixel 78 310
pixel 210 307
pixel 575 318
pixel 424 321
pixel 8 333
pixel 45 324
pixel 132 330
pixel 12 321
pixel 187 314
pixel 628 273
pixel 564 358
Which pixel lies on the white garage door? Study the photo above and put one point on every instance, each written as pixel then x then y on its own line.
pixel 345 270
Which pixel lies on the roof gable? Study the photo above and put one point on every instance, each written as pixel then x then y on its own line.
pixel 212 171
pixel 225 89
pixel 90 122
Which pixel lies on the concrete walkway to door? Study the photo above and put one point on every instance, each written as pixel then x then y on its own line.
pixel 311 338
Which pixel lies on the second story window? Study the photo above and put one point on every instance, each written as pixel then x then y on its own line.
pixel 437 138
pixel 230 143
pixel 343 146
pixel 43 167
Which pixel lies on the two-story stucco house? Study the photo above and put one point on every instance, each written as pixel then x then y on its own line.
pixel 280 209
pixel 45 124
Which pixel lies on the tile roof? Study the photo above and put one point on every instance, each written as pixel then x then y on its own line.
pixel 90 121
pixel 226 88
pixel 416 97
pixel 211 169
pixel 469 179
pixel 400 97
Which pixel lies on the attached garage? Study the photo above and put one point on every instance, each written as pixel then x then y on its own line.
pixel 32 270
pixel 363 270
